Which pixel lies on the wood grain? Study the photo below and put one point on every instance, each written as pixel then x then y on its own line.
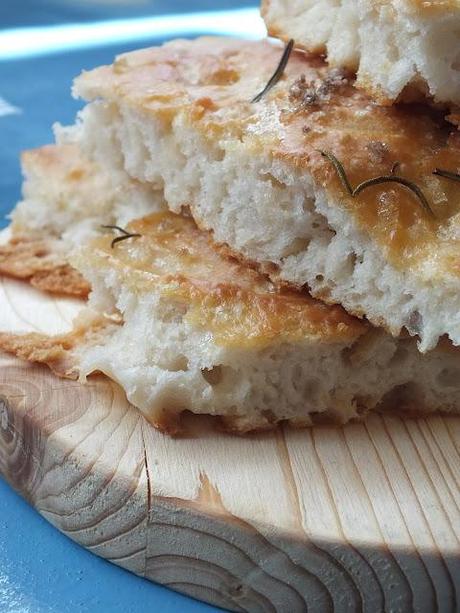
pixel 360 518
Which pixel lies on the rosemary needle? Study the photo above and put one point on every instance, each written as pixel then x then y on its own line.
pixel 125 234
pixel 340 170
pixel 391 178
pixel 123 238
pixel 276 76
pixel 447 174
pixel 122 230
pixel 395 179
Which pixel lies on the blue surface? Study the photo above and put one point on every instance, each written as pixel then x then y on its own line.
pixel 47 12
pixel 40 569
pixel 40 87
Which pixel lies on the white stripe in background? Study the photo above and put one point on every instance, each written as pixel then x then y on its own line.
pixel 18 43
pixel 8 109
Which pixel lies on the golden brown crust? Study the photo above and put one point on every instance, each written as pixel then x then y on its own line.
pixel 237 304
pixel 58 352
pixel 168 422
pixel 42 349
pixel 64 161
pixel 61 280
pixel 185 423
pixel 43 263
pixel 271 271
pixel 296 119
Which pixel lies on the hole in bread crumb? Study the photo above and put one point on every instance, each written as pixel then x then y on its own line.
pixel 217 154
pixel 179 363
pixel 297 246
pixel 269 416
pixel 213 375
pixel 362 404
pixel 449 377
pixel 415 323
pixel 319 278
pixel 406 397
pixel 321 417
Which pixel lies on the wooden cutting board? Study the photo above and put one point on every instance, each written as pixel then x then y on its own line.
pixel 361 518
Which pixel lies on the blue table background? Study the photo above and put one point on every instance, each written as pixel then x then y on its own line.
pixel 41 570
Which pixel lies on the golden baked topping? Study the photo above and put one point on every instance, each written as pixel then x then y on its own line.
pixel 234 302
pixel 43 263
pixel 311 109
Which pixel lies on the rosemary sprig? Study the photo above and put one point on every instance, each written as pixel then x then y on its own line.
pixel 395 179
pixel 339 169
pixel 391 178
pixel 124 234
pixel 447 174
pixel 276 76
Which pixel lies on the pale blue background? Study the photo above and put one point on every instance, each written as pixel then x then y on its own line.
pixel 42 571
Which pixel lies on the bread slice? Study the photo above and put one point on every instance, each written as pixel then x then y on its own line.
pixel 67 196
pixel 66 200
pixel 204 333
pixel 182 325
pixel 394 45
pixel 180 118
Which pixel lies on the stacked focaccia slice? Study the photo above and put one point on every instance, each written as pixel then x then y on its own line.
pixel 247 208
pixel 184 326
pixel 399 48
pixel 274 179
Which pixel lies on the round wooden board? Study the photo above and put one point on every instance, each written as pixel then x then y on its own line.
pixel 361 518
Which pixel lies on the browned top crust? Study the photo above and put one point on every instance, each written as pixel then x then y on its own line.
pixel 43 263
pixel 210 83
pixel 63 161
pixel 60 352
pixel 34 256
pixel 237 304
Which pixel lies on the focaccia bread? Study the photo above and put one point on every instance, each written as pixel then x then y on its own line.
pixel 399 48
pixel 261 175
pixel 66 200
pixel 202 332
pixel 67 196
pixel 181 325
